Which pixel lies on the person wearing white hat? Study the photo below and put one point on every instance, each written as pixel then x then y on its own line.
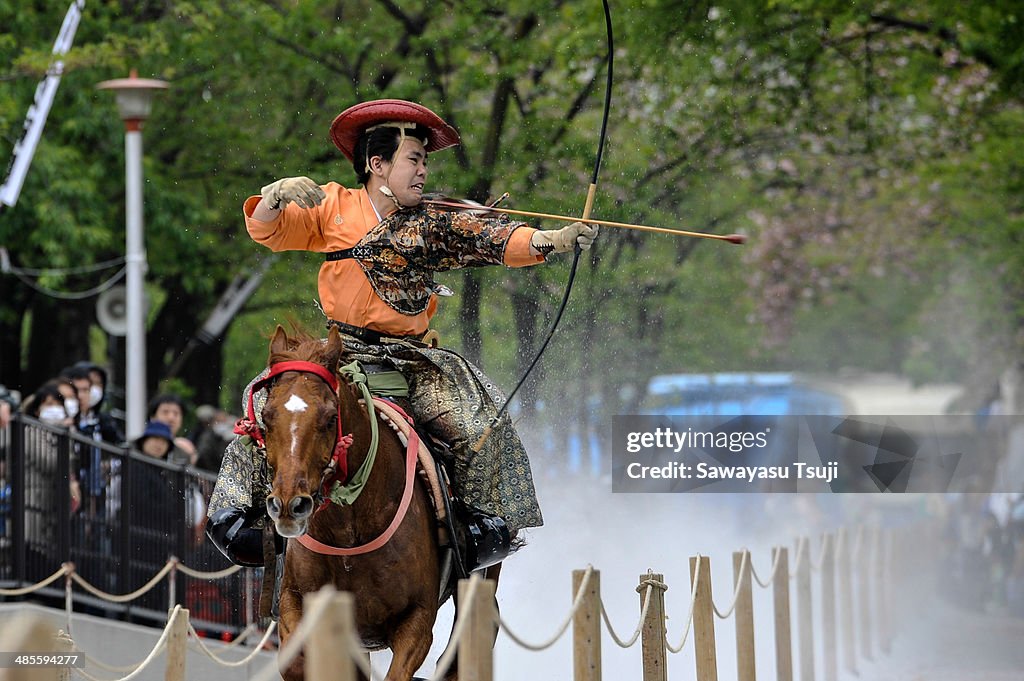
pixel 382 247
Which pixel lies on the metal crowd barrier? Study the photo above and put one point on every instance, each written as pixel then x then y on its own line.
pixel 133 513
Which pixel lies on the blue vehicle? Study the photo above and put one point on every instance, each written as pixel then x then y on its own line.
pixel 739 394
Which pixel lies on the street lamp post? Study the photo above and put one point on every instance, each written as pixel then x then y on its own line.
pixel 134 100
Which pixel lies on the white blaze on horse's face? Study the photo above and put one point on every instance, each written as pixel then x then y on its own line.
pixel 294 430
pixel 296 404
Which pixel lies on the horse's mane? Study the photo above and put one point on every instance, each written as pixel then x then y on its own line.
pixel 301 346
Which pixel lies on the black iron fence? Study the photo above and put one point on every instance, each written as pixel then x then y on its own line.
pixel 118 516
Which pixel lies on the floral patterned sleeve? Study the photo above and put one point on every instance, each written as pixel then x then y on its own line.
pixel 436 240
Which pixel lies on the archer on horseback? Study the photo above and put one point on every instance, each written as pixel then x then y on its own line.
pixel 382 247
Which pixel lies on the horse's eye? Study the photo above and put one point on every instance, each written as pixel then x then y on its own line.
pixel 327 416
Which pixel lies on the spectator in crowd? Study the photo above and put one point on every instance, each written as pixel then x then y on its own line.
pixel 156 441
pixel 98 471
pixel 216 430
pixel 50 403
pixel 170 409
pixel 9 400
pixel 98 381
pixel 92 422
pixel 67 389
pixel 42 476
pixel 156 509
pixel 5 514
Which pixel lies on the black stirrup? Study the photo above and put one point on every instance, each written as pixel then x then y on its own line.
pixel 230 529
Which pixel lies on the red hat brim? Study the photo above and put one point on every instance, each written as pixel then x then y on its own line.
pixel 348 125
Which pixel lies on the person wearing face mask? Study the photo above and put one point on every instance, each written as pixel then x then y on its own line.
pixel 382 247
pixel 45 405
pixel 67 389
pixel 98 471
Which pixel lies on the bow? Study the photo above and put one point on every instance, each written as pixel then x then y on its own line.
pixel 588 205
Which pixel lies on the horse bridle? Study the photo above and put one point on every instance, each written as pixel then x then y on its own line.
pixel 337 467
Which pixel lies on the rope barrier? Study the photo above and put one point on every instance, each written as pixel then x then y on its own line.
pixel 650 585
pixel 689 616
pixel 219 574
pixel 68 570
pixel 771 578
pixel 229 663
pixel 123 598
pixel 242 635
pixel 307 624
pixel 736 593
pixel 577 601
pixel 25 590
pixel 157 649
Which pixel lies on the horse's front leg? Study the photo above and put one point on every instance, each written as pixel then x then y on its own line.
pixel 410 643
pixel 491 572
pixel 291 614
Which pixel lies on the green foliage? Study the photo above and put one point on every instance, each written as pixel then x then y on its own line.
pixel 870 150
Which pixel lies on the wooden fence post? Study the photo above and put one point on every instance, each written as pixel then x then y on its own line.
pixel 27 632
pixel 863 559
pixel 883 590
pixel 586 628
pixel 745 664
pixel 783 625
pixel 833 550
pixel 805 623
pixel 476 650
pixel 329 655
pixel 63 644
pixel 704 622
pixel 652 636
pixel 842 556
pixel 177 640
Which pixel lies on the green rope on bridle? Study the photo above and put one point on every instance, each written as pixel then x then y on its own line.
pixel 350 491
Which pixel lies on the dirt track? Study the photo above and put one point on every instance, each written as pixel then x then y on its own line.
pixel 953 645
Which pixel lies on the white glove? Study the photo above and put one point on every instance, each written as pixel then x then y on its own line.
pixel 303 191
pixel 565 239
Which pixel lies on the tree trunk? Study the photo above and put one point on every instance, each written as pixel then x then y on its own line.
pixel 470 316
pixel 524 311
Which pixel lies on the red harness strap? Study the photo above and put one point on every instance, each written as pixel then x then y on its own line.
pixel 338 464
pixel 411 453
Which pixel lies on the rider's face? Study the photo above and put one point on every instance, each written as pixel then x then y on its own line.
pixel 408 173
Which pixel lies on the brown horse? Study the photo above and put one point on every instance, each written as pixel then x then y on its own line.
pixel 396 586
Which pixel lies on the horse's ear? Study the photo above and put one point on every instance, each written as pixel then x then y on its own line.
pixel 279 343
pixel 335 346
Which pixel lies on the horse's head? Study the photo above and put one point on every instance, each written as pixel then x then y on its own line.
pixel 303 422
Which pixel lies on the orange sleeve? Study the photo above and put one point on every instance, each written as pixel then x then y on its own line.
pixel 517 249
pixel 294 229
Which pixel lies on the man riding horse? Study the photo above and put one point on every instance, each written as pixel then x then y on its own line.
pixel 381 247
